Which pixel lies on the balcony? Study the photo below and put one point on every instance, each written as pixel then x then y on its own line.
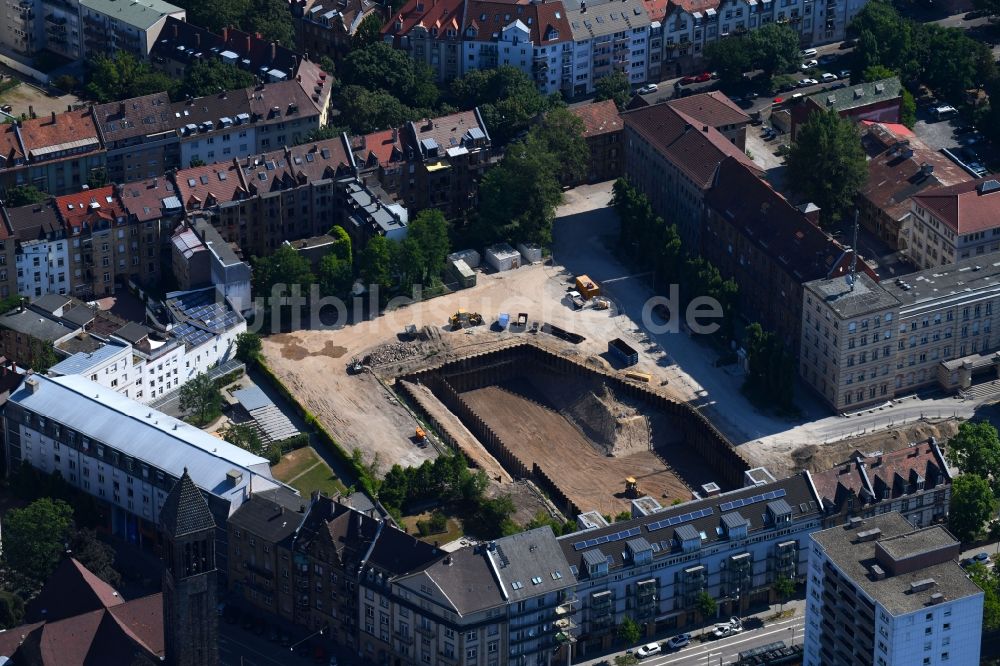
pixel 426 631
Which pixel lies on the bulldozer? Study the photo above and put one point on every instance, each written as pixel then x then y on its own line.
pixel 601 303
pixel 462 319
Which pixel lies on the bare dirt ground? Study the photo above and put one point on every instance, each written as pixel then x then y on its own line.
pixel 788 460
pixel 591 480
pixel 43 104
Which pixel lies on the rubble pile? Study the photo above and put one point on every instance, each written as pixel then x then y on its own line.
pixel 391 353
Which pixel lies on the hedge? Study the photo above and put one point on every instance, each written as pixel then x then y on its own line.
pixel 228 378
pixel 364 479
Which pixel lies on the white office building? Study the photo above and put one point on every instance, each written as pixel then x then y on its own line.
pixel 881 592
pixel 111 366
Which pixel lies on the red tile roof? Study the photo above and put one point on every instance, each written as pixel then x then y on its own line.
pixel 599 118
pixel 71 590
pixel 207 185
pixel 656 9
pixel 967 207
pixel 90 208
pixel 546 22
pixel 696 148
pixel 712 108
pixel 10 147
pixel 59 129
pixel 381 148
pixel 142 618
pixel 691 6
pixel 144 199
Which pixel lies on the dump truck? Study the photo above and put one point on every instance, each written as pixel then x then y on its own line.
pixel 421 436
pixel 587 287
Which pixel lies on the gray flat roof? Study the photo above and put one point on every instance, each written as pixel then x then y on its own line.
pixel 82 362
pixel 138 13
pixel 865 297
pixel 854 558
pixel 35 325
pixel 605 18
pixel 252 398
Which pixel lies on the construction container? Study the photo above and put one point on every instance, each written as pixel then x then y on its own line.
pixel 503 257
pixel 470 257
pixel 623 352
pixel 643 377
pixel 587 287
pixel 462 273
pixel 531 252
pixel 503 320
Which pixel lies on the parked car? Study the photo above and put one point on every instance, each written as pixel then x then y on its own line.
pixel 827 59
pixel 6 108
pixel 703 77
pixel 731 628
pixel 648 650
pixel 807 82
pixel 844 74
pixel 808 64
pixel 786 87
pixel 944 111
pixel 648 88
pixel 982 558
pixel 828 77
pixel 964 129
pixel 837 86
pixel 679 641
pixel 808 53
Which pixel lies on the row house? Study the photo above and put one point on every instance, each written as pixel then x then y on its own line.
pixel 672 154
pixel 56 154
pixel 900 167
pixel 153 207
pixel 865 342
pixel 182 44
pixel 326 27
pixel 755 237
pixel 103 246
pixel 608 36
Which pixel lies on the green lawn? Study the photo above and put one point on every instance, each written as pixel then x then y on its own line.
pixel 305 471
pixel 453 532
pixel 318 478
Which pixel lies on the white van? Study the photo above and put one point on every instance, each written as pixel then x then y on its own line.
pixel 943 112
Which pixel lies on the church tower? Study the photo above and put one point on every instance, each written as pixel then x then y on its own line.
pixel 190 620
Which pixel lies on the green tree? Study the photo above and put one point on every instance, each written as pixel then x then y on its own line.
pixel 531 171
pixel 11 610
pixel 334 276
pixel 429 230
pixel 877 73
pixel 43 356
pixel 705 604
pixel 215 15
pixel 35 537
pixel 365 111
pixel 211 76
pixel 629 631
pixel 197 162
pixel 908 109
pixel 701 278
pixel 650 242
pixel 988 581
pixel 770 378
pixel 369 31
pixel 123 76
pixel 561 133
pixel 245 436
pixel 24 195
pixel 972 504
pixel 784 587
pixel 507 98
pixel 379 66
pixel 774 48
pixel 376 265
pixel 826 164
pixel 975 449
pixel 285 267
pixel 201 399
pixel 272 19
pixel 248 347
pixel 729 57
pixel 409 261
pixel 97 556
pixel 322 134
pixel 991 7
pixel 614 86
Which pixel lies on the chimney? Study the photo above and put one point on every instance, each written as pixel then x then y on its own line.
pixel 225 34
pixel 53 117
pixel 197 40
pixel 704 128
pixel 31 111
pixel 926 169
pixel 32 383
pixel 248 45
pixel 274 51
pixel 176 31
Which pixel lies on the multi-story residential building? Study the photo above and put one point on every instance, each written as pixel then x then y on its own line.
pixel 154 210
pixel 201 258
pixel 125 454
pixel 380 157
pixel 604 133
pixel 865 342
pixel 732 546
pixel 955 222
pixel 27 330
pixel 110 27
pixel 754 236
pixel 672 156
pixel 208 325
pixel 101 252
pixel 325 28
pixel 110 366
pixel 8 258
pixel 900 167
pixel 716 110
pixel 913 481
pixel 18 31
pixel 140 137
pixel 608 36
pixel 447 156
pixel 181 44
pixel 61 31
pixel 57 154
pixel 455 37
pixel 877 101
pixel 367 212
pixel 881 592
pixel 42 260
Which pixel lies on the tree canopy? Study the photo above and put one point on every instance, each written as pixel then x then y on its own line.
pixel 201 399
pixel 376 265
pixel 429 232
pixel 975 449
pixel 210 76
pixel 35 537
pixel 97 556
pixel 988 579
pixel 827 164
pixel 123 76
pixel 972 504
pixel 365 111
pixel 24 195
pixel 379 66
pixel 369 31
pixel 561 133
pixel 506 96
pixel 770 379
pixel 774 48
pixel 729 57
pixel 614 86
pixel 629 631
pixel 271 18
pixel 248 347
pixel 285 267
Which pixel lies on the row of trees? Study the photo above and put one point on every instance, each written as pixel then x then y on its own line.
pixel 771 374
pixel 122 76
pixel 271 18
pixel 654 244
pixel 772 48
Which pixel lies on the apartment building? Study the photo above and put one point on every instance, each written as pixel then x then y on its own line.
pixel 865 342
pixel 207 325
pixel 57 154
pixel 24 333
pixel 8 258
pixel 955 222
pixel 672 155
pixel 877 101
pixel 913 481
pixel 110 27
pixel 900 167
pixel 153 210
pixel 608 36
pixel 110 366
pixel 754 236
pixel 62 28
pixel 454 37
pixel 140 137
pixel 381 158
pixel 604 133
pixel 325 27
pixel 182 44
pixel 18 31
pixel 200 257
pixel 366 213
pixel 101 252
pixel 125 454
pixel 732 546
pixel 41 259
pixel 882 592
